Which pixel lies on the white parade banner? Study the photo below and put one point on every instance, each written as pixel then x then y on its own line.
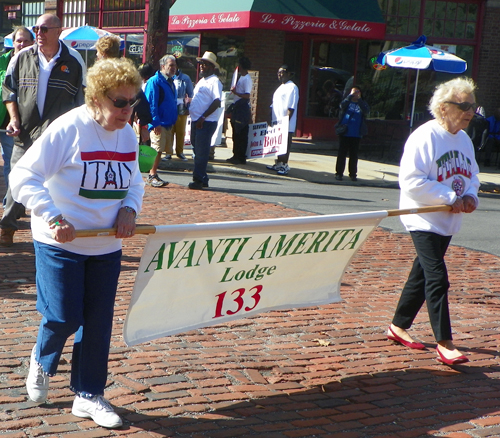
pixel 198 275
pixel 265 141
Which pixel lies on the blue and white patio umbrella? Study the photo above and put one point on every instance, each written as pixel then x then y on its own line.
pixel 419 56
pixel 84 38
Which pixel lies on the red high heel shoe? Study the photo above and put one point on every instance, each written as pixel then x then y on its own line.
pixel 454 361
pixel 396 338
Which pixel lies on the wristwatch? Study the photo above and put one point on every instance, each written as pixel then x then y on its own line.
pixel 130 210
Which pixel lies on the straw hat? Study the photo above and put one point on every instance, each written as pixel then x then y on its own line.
pixel 210 57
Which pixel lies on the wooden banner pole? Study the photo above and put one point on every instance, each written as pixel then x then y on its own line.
pixel 430 209
pixel 151 229
pixel 139 229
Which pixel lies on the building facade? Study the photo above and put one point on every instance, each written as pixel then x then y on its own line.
pixel 330 45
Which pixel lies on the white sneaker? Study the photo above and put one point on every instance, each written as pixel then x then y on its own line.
pixel 97 408
pixel 283 169
pixel 37 383
pixel 273 167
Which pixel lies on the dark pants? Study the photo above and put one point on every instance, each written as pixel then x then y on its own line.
pixel 12 208
pixel 240 142
pixel 347 145
pixel 428 281
pixel 201 139
pixel 283 158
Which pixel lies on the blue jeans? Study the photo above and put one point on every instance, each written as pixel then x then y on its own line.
pixel 76 294
pixel 7 143
pixel 201 139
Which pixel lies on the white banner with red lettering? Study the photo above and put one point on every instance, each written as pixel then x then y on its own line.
pixel 266 141
pixel 198 275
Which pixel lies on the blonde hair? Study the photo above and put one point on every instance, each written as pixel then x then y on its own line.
pixel 108 46
pixel 448 91
pixel 109 74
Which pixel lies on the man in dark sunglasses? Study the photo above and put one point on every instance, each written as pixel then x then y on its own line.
pixel 21 38
pixel 53 77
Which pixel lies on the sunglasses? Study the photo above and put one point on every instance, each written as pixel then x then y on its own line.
pixel 122 103
pixel 465 106
pixel 43 29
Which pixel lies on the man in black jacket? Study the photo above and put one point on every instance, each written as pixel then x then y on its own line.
pixel 42 82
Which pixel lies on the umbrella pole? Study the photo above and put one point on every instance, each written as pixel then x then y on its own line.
pixel 414 99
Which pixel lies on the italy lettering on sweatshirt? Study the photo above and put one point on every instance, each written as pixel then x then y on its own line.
pixel 454 164
pixel 105 178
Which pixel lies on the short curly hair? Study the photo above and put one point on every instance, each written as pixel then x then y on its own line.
pixel 108 46
pixel 447 91
pixel 109 74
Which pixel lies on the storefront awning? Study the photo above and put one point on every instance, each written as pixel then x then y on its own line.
pixel 347 18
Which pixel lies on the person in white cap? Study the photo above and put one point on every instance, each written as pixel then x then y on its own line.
pixel 203 110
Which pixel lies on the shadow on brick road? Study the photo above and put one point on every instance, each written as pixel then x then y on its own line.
pixel 409 403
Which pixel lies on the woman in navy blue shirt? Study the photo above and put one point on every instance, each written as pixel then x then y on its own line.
pixel 353 114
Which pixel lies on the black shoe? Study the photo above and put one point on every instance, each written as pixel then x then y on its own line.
pixel 196 185
pixel 353 178
pixel 338 177
pixel 234 160
pixel 205 185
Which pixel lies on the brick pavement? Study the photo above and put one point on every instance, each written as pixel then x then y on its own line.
pixel 323 371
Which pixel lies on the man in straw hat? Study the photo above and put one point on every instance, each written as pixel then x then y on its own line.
pixel 203 110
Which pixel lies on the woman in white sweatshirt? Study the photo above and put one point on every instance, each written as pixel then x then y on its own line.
pixel 438 167
pixel 82 173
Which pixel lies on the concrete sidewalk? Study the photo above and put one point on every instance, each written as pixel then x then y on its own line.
pixel 315 162
pixel 325 371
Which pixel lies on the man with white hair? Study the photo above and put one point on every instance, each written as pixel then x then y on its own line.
pixel 161 95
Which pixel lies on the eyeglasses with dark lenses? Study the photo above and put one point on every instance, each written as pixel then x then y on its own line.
pixel 43 29
pixel 465 106
pixel 122 103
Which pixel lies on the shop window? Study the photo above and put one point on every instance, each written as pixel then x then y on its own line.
pixel 185 48
pixel 31 12
pixel 402 16
pixel 116 13
pixel 331 69
pixel 450 19
pixel 444 19
pixel 229 49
